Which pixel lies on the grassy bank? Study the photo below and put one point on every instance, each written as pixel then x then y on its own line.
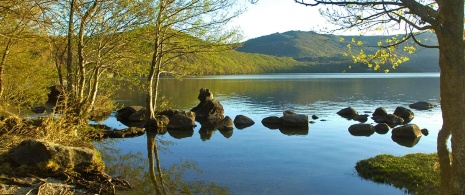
pixel 416 173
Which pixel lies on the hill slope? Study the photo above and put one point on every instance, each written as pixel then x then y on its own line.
pixel 327 51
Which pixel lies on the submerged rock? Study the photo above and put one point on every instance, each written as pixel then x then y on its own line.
pixel 422 105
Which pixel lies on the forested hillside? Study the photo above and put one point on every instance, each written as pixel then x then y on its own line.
pixel 326 50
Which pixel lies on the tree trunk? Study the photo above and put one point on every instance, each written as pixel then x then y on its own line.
pixel 452 64
pixel 2 65
pixel 69 58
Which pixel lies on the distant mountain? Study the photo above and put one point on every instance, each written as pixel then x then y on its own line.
pixel 324 53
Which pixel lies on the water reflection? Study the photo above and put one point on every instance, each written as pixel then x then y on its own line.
pixel 406 141
pixel 148 176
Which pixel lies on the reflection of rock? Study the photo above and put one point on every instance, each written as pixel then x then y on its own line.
pixel 382 128
pixel 291 119
pixel 406 141
pixel 208 107
pixel 182 120
pixel 361 130
pixel 410 130
pixel 35 153
pixel 348 112
pixel 206 134
pixel 179 134
pixel 241 121
pixel 293 130
pixel 422 105
pixel 404 113
pixel 227 133
pixel 390 119
pixel 272 122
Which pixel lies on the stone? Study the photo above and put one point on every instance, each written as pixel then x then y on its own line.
pixel 361 130
pixel 208 107
pixel 425 132
pixel 131 114
pixel 360 118
pixel 291 119
pixel 272 122
pixel 183 120
pixel 348 112
pixel 382 128
pixel 390 119
pixel 36 152
pixel 314 117
pixel 226 124
pixel 422 105
pixel 380 112
pixel 241 121
pixel 410 130
pixel 404 113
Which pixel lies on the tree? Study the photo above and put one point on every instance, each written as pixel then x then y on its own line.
pixel 445 18
pixel 97 35
pixel 180 28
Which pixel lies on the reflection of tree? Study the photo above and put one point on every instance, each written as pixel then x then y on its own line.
pixel 152 149
pixel 154 179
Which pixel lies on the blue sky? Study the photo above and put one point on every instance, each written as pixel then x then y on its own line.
pixel 271 16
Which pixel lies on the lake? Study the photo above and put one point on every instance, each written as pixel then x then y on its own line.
pixel 258 160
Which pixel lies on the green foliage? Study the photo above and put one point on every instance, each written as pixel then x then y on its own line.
pixel 417 173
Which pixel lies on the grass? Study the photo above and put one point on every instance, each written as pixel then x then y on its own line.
pixel 416 173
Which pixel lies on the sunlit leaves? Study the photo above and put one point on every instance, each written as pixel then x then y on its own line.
pixel 387 56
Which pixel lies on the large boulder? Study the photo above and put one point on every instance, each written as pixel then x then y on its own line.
pixel 241 121
pixel 182 120
pixel 361 130
pixel 348 112
pixel 226 124
pixel 291 119
pixel 382 128
pixel 208 108
pixel 422 105
pixel 404 113
pixel 39 153
pixel 410 131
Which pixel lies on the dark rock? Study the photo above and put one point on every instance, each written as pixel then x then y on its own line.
pixel 380 112
pixel 227 133
pixel 360 118
pixel 361 130
pixel 272 122
pixel 404 113
pixel 314 117
pixel 406 141
pixel 390 119
pixel 382 128
pixel 422 105
pixel 241 121
pixel 39 109
pixel 35 152
pixel 347 112
pixel 291 119
pixel 425 132
pixel 162 121
pixel 226 124
pixel 208 107
pixel 182 121
pixel 125 133
pixel 131 114
pixel 410 130
pixel 55 95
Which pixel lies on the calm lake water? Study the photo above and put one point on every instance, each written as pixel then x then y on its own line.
pixel 258 160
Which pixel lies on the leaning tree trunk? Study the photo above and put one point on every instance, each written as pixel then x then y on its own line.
pixel 2 65
pixel 452 64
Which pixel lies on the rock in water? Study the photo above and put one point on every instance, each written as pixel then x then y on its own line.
pixel 208 108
